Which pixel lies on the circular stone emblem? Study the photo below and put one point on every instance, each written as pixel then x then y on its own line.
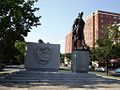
pixel 42 54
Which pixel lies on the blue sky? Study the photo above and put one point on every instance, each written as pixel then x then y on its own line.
pixel 59 15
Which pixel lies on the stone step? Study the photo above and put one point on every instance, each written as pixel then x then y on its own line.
pixel 35 73
pixel 56 81
pixel 51 73
pixel 53 76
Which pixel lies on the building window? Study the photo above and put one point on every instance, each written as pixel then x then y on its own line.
pixel 119 18
pixel 91 28
pixel 107 16
pixel 90 33
pixel 115 22
pixel 101 15
pixel 102 26
pixel 101 31
pixel 101 20
pixel 115 17
pixel 109 22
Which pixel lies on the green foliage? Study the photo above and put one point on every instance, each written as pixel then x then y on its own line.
pixel 68 55
pixel 16 19
pixel 62 56
pixel 115 51
pixel 114 33
pixel 92 55
pixel 21 52
pixel 108 45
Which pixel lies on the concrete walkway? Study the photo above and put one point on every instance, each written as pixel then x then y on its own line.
pixel 62 87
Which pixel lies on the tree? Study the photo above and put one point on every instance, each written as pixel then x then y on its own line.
pixel 115 37
pixel 115 48
pixel 16 19
pixel 62 56
pixel 108 43
pixel 21 52
pixel 94 54
pixel 68 55
pixel 114 33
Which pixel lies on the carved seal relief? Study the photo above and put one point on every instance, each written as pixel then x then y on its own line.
pixel 43 54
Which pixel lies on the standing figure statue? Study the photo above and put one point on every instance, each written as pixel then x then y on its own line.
pixel 77 33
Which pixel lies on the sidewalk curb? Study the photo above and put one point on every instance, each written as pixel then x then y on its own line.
pixel 110 77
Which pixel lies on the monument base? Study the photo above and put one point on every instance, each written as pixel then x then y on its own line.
pixel 80 61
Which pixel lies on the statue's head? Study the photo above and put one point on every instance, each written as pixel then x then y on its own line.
pixel 80 14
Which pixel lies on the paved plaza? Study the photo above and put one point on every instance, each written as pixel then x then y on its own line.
pixel 32 80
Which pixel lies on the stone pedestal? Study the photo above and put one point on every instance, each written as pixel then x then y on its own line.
pixel 80 61
pixel 42 57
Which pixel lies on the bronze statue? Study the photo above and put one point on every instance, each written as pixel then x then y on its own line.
pixel 78 34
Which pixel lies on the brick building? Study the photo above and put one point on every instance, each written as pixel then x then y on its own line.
pixel 95 24
pixel 94 27
pixel 68 43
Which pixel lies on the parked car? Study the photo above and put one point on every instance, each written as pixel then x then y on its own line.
pixel 117 70
pixel 100 69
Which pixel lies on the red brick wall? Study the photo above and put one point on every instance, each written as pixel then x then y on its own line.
pixel 68 43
